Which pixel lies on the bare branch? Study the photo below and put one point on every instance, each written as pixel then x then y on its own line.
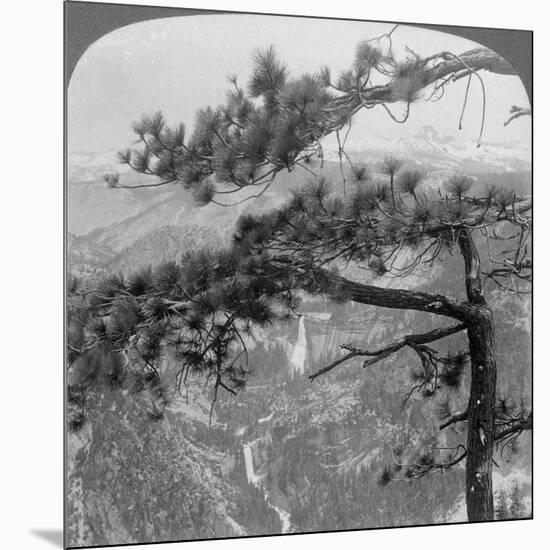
pixel 517 112
pixel 384 352
pixel 458 417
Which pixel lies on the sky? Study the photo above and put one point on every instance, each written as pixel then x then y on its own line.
pixel 178 65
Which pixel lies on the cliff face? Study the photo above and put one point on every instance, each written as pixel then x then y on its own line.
pixel 285 454
pixel 133 479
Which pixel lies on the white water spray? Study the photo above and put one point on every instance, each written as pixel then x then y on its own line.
pixel 299 354
pixel 249 466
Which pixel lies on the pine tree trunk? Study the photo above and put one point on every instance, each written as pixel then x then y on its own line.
pixel 479 461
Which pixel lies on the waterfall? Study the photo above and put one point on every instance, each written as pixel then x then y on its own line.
pixel 298 359
pixel 285 518
pixel 255 480
pixel 249 466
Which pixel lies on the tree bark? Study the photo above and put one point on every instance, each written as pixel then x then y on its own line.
pixel 472 268
pixel 480 439
pixel 395 298
pixel 481 407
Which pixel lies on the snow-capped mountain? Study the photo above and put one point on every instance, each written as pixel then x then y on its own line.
pixel 106 222
pixel 433 151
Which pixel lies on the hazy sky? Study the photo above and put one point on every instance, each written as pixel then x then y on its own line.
pixel 178 65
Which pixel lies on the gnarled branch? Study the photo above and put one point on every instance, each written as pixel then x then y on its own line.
pixel 458 417
pixel 403 299
pixel 516 112
pixel 378 355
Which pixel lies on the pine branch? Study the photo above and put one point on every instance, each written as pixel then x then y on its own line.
pixel 404 299
pixel 378 355
pixel 298 130
pixel 517 427
pixel 458 417
pixel 516 112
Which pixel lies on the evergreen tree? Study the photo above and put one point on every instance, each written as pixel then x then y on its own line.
pixel 201 307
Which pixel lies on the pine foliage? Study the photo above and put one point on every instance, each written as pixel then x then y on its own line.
pixel 384 225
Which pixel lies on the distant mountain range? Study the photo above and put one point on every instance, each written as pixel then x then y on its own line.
pixel 105 223
pixel 431 150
